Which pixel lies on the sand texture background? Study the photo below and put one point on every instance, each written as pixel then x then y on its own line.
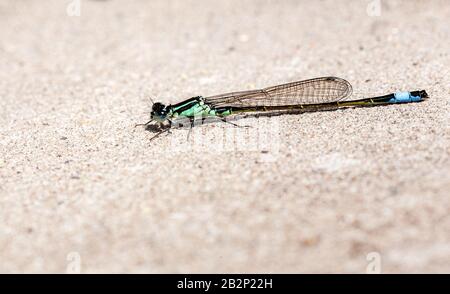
pixel 82 189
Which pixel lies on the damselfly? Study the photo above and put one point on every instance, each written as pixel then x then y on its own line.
pixel 309 95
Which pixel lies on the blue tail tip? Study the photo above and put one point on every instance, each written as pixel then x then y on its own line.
pixel 415 96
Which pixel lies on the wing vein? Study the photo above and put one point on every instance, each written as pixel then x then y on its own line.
pixel 314 91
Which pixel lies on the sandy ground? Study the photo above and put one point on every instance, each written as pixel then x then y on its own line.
pixel 353 190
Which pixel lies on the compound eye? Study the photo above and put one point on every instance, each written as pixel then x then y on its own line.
pixel 157 107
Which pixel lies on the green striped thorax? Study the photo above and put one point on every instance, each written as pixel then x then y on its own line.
pixel 190 108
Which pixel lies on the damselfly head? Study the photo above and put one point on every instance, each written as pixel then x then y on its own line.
pixel 159 112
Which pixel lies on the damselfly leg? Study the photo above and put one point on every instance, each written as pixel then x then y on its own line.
pixel 143 125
